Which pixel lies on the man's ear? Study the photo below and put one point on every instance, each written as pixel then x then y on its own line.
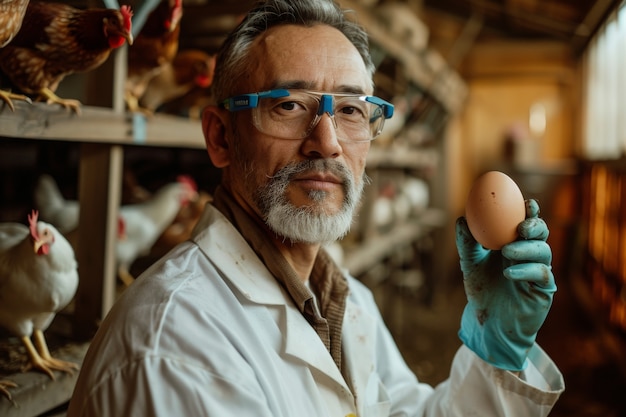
pixel 214 128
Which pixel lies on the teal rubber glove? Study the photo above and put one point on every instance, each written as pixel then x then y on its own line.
pixel 509 292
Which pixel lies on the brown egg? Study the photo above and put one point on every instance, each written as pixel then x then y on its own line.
pixel 495 207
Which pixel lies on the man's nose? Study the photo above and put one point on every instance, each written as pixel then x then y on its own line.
pixel 323 141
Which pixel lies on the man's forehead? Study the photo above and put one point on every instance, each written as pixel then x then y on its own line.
pixel 315 57
pixel 309 85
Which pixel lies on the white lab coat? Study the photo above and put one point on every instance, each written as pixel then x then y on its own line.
pixel 207 331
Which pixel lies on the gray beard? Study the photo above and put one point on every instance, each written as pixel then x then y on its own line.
pixel 309 224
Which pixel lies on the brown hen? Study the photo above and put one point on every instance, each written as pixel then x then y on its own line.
pixel 11 16
pixel 56 40
pixel 191 70
pixel 155 47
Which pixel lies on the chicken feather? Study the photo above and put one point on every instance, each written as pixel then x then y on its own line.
pixel 139 225
pixel 11 17
pixel 156 46
pixel 53 207
pixel 191 69
pixel 38 278
pixel 56 40
pixel 145 222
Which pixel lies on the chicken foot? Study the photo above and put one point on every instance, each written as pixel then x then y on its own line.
pixel 4 385
pixel 8 98
pixel 52 98
pixel 41 359
pixel 133 106
pixel 126 277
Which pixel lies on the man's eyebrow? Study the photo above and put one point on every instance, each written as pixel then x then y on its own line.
pixel 352 89
pixel 308 85
pixel 292 84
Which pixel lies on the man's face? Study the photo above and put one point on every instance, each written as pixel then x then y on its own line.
pixel 304 189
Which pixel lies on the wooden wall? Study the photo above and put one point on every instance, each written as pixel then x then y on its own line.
pixel 504 81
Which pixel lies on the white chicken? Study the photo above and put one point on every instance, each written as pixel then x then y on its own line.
pixel 38 278
pixel 144 222
pixel 139 225
pixel 53 207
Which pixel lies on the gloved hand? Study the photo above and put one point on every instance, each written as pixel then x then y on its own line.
pixel 509 292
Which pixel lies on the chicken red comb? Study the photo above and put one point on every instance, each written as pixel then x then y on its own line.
pixel 121 228
pixel 127 14
pixel 176 12
pixel 203 80
pixel 186 179
pixel 32 223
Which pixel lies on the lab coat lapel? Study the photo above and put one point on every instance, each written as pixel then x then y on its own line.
pixel 303 343
pixel 231 254
pixel 358 347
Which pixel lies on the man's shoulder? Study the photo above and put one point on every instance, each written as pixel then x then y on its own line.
pixel 183 272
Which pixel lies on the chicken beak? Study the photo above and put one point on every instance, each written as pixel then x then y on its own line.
pixel 39 247
pixel 129 38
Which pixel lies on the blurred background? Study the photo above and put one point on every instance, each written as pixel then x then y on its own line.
pixel 532 88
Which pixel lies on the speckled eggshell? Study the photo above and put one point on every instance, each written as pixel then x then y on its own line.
pixel 495 207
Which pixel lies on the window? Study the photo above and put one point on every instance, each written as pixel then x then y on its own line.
pixel 604 108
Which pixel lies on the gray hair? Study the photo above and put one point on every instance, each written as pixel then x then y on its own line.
pixel 231 59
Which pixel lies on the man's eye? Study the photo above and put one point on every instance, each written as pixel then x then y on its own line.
pixel 353 112
pixel 288 105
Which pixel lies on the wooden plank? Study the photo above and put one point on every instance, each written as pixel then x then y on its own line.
pixel 402 157
pixel 375 249
pixel 37 393
pixel 100 182
pixel 497 59
pixel 99 125
pixel 418 66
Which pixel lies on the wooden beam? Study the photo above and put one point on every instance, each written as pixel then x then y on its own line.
pixel 367 254
pixel 537 22
pixel 100 182
pixel 592 22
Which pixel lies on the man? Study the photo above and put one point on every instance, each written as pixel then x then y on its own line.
pixel 252 317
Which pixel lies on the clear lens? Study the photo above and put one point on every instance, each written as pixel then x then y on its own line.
pixel 295 116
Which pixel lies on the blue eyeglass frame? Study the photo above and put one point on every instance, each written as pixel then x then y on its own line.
pixel 251 100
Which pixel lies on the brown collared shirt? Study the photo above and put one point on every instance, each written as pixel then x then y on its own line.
pixel 329 286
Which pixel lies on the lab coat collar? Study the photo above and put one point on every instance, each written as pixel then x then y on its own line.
pixel 231 254
pixel 239 264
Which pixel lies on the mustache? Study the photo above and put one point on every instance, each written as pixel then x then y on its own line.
pixel 288 172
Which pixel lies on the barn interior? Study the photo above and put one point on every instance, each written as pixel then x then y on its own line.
pixel 531 88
